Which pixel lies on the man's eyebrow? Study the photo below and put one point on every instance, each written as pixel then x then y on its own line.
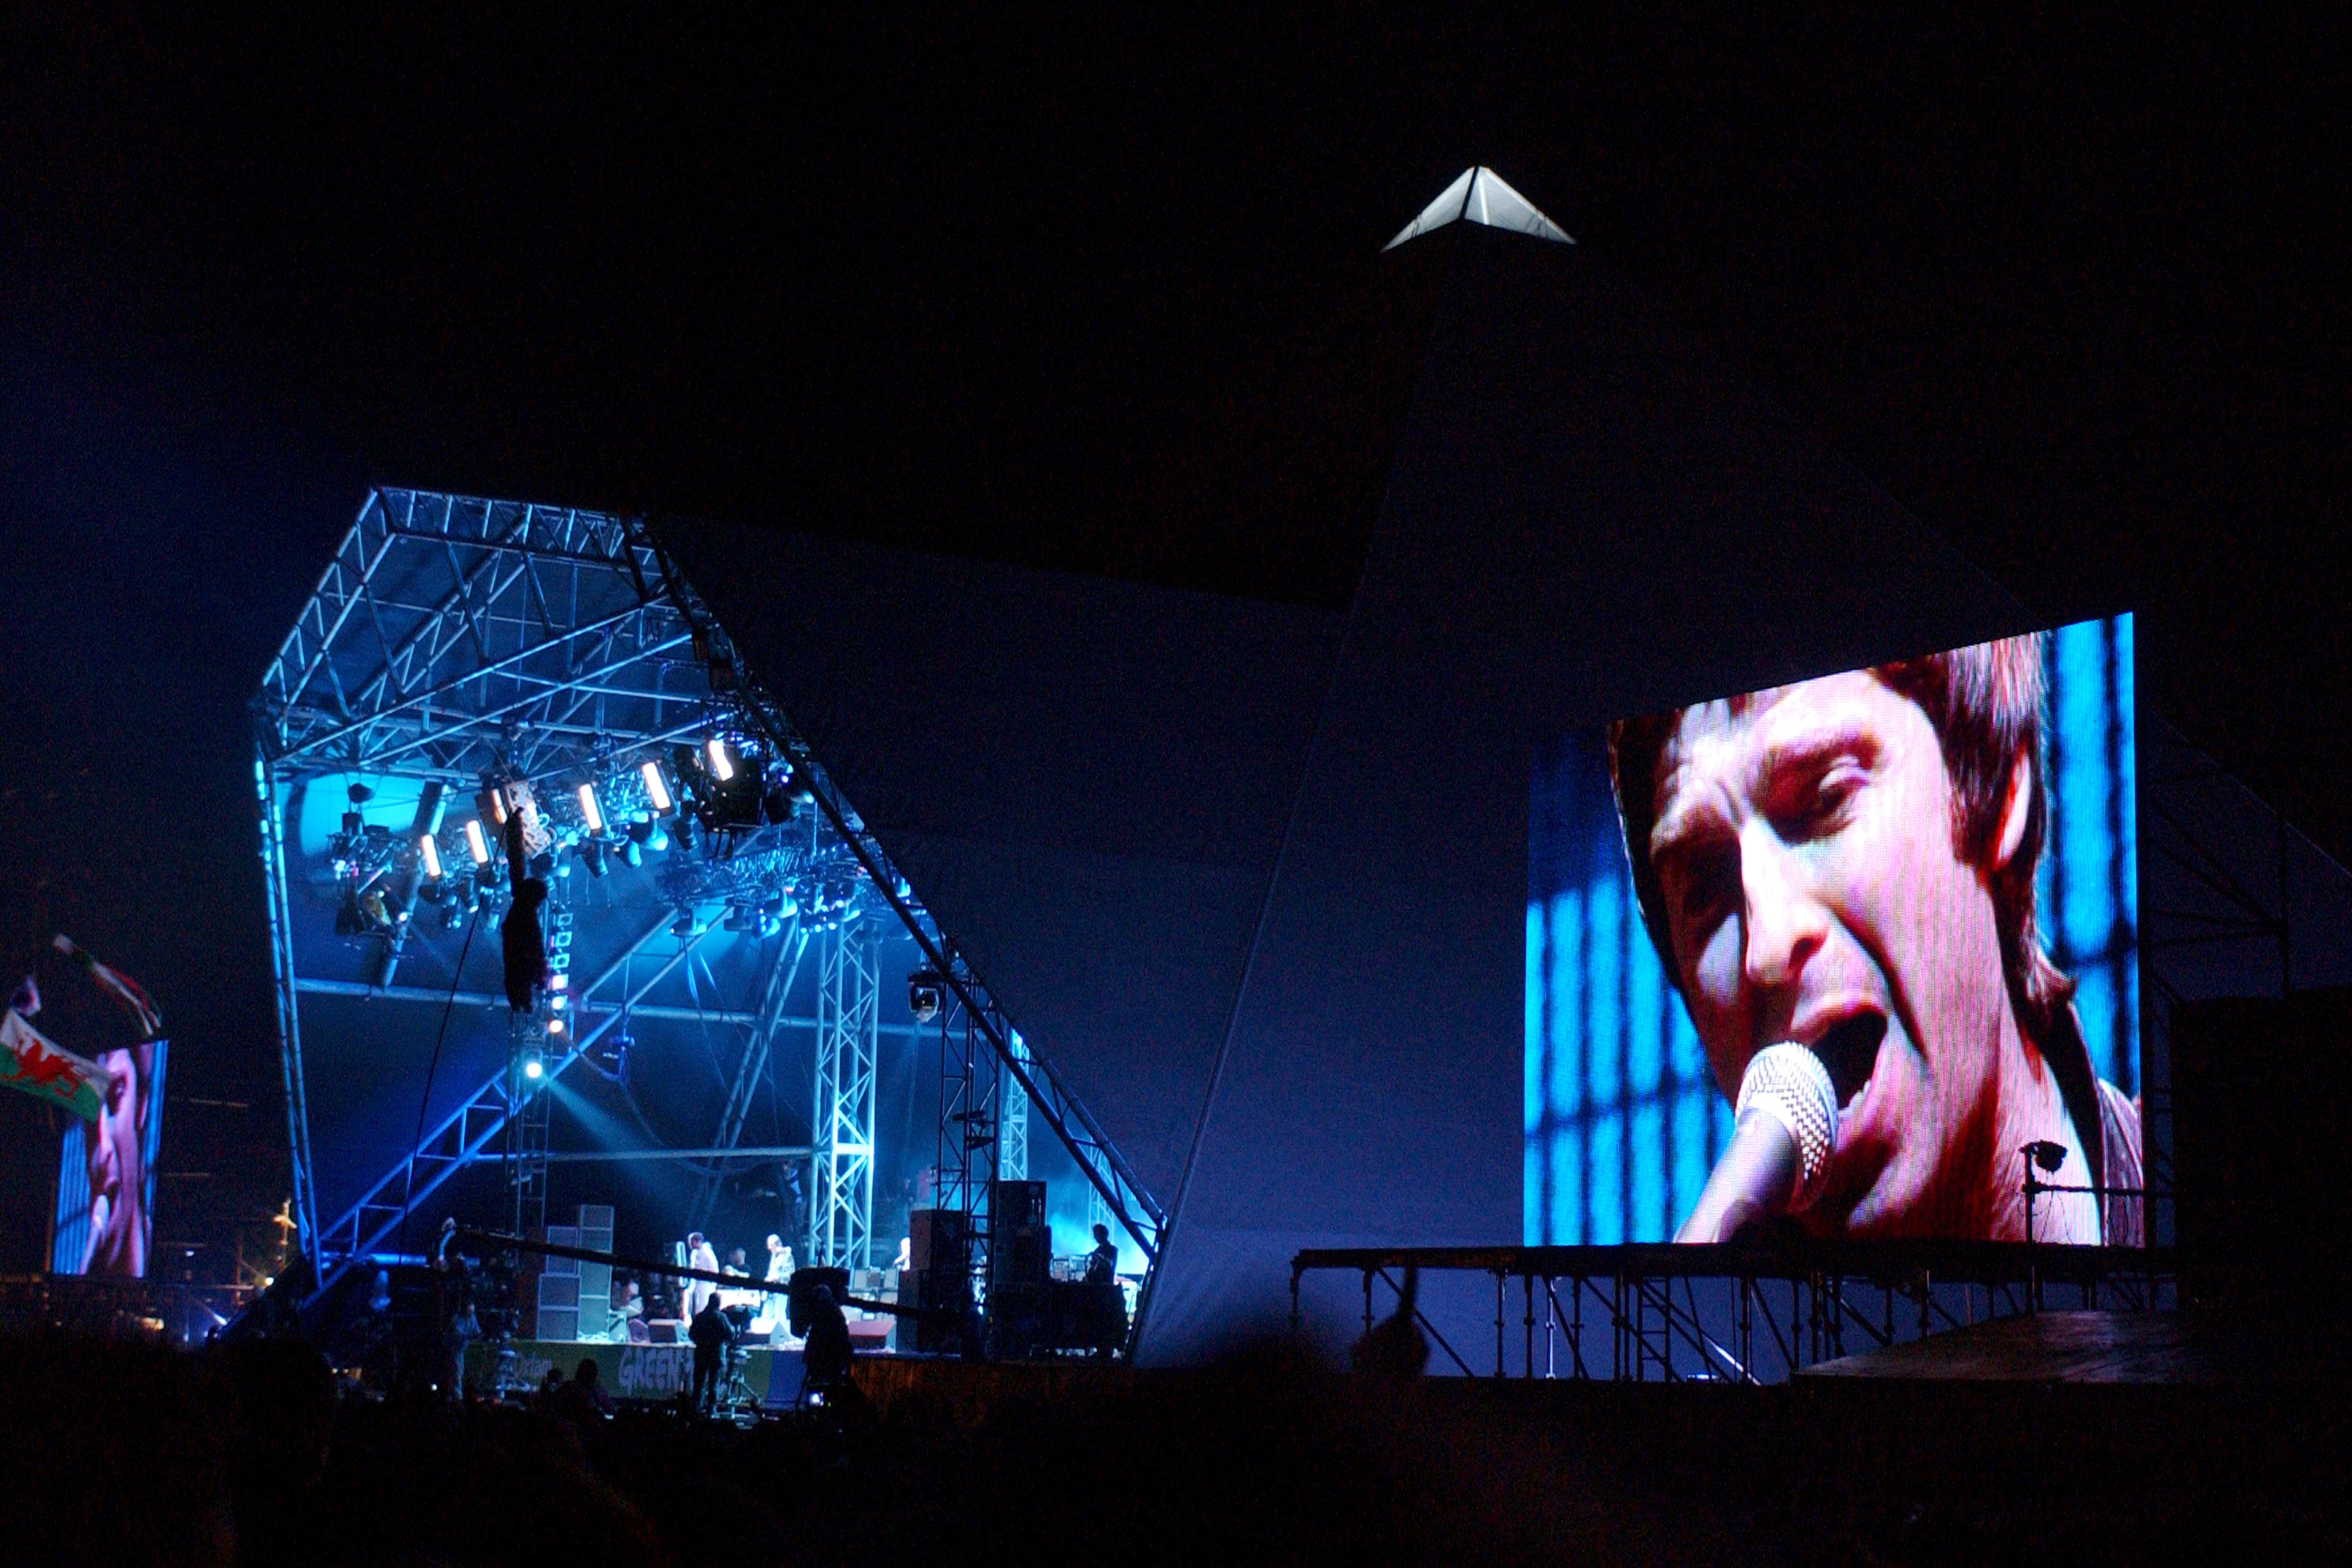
pixel 1680 823
pixel 1808 747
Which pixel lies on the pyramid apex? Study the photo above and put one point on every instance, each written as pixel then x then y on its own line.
pixel 1482 196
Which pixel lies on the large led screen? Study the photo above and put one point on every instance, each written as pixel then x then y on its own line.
pixel 1921 877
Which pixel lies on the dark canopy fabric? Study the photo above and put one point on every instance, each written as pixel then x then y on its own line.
pixel 1083 779
pixel 1586 516
pixel 1254 877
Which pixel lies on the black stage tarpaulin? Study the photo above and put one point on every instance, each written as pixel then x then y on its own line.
pixel 1254 876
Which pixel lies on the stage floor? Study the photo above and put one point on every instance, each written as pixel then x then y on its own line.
pixel 2046 1347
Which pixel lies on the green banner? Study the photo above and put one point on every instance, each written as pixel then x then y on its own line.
pixel 32 1062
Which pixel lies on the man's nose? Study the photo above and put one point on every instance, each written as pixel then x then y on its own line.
pixel 1786 925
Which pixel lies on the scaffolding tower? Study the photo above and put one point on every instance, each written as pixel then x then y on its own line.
pixel 453 641
pixel 849 1014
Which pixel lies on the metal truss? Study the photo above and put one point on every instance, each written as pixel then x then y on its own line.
pixel 451 638
pixel 1660 1312
pixel 751 1070
pixel 1129 1203
pixel 969 1083
pixel 451 635
pixel 1013 1128
pixel 849 1005
pixel 303 1201
pixel 528 1123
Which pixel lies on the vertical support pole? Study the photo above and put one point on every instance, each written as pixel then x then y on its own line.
pixel 1368 1303
pixel 1746 1284
pixel 272 803
pixel 849 997
pixel 1498 1322
pixel 1294 1301
pixel 1528 1351
pixel 1013 1123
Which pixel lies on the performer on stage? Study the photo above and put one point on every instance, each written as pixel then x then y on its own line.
pixel 1102 1263
pixel 699 1254
pixel 1848 862
pixel 779 1270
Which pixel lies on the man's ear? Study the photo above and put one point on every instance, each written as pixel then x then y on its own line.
pixel 2015 812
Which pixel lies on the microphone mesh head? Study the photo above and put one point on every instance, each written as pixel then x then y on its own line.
pixel 1789 1082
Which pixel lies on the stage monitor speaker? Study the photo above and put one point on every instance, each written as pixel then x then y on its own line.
pixel 1020 1255
pixel 944 1299
pixel 803 1289
pixel 1017 1203
pixel 558 1322
pixel 938 1239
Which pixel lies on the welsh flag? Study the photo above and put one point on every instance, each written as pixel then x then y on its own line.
pixel 31 1062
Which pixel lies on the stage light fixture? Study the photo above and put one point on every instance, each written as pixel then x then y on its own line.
pixel 430 852
pixel 721 768
pixel 681 834
pixel 924 995
pixel 532 1068
pixel 592 855
pixel 358 793
pixel 657 788
pixel 683 925
pixel 555 1026
pixel 476 845
pixel 631 855
pixel 641 830
pixel 559 981
pixel 590 811
pixel 779 804
pixel 557 1004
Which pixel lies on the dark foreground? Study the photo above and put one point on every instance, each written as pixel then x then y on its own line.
pixel 120 1453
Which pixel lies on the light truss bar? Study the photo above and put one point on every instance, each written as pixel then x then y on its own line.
pixel 626 1156
pixel 730 1017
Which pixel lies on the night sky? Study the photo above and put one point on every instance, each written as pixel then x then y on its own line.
pixel 2073 291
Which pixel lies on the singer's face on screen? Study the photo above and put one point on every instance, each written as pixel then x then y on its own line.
pixel 1805 854
pixel 117 1179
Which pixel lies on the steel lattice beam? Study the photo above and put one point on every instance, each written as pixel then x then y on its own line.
pixel 849 1003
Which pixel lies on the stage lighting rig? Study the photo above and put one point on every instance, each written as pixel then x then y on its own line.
pixel 657 794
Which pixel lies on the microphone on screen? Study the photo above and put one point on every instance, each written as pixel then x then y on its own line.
pixel 1781 1135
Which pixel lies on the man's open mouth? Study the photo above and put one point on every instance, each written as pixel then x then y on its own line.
pixel 1849 1049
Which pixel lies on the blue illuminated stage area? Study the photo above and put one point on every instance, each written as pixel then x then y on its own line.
pixel 884 886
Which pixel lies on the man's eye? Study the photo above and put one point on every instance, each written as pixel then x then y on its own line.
pixel 1823 808
pixel 1710 884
